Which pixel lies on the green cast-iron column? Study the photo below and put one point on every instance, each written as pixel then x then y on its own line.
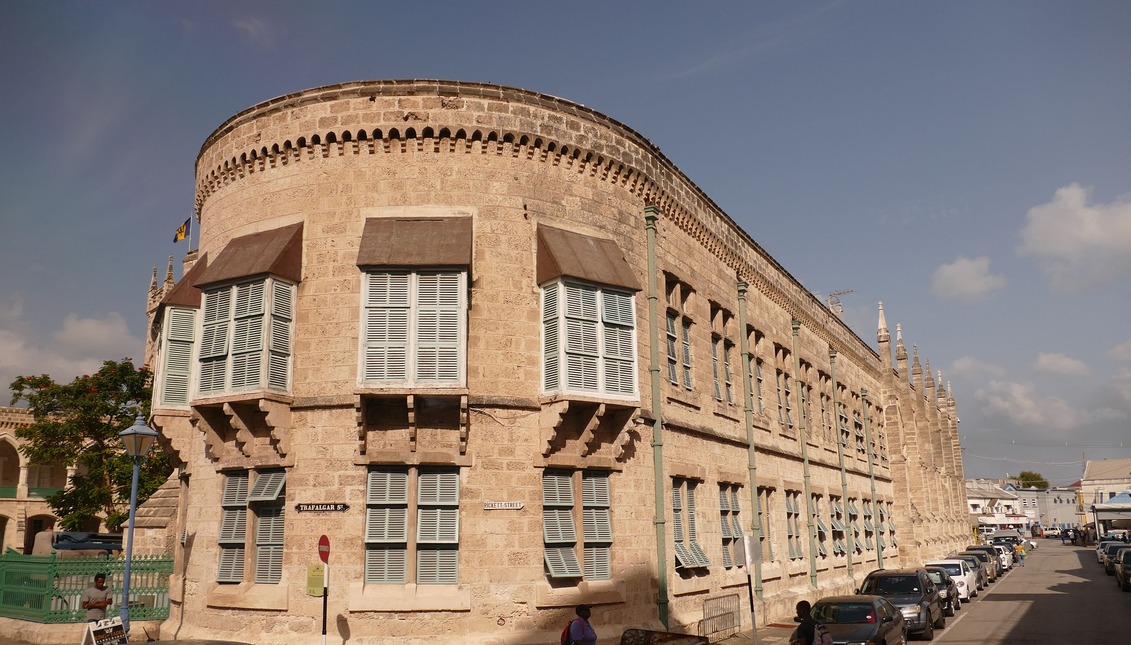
pixel 651 214
pixel 840 458
pixel 871 475
pixel 809 525
pixel 751 462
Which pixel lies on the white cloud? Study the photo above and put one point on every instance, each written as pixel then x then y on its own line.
pixel 79 347
pixel 968 366
pixel 1060 364
pixel 257 31
pixel 1080 246
pixel 965 279
pixel 1121 352
pixel 1021 405
pixel 1121 383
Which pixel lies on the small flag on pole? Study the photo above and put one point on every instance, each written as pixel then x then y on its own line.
pixel 182 231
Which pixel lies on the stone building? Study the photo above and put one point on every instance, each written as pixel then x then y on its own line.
pixel 23 486
pixel 508 359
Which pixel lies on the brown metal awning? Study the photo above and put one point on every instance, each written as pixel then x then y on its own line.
pixel 565 253
pixel 185 293
pixel 277 252
pixel 414 242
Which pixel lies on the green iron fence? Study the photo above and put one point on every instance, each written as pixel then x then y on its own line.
pixel 47 588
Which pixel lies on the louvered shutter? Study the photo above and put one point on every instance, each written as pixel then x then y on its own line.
pixel 551 338
pixel 581 343
pixel 247 335
pixel 673 358
pixel 230 568
pixel 697 552
pixel 437 566
pixel 385 565
pixel 279 348
pixel 439 327
pixel 180 334
pixel 597 529
pixel 214 341
pixel 683 557
pixel 269 544
pixel 437 524
pixel 558 529
pixel 386 327
pixel 386 526
pixel 268 486
pixel 233 527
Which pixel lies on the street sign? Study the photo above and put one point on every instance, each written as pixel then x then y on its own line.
pixel 324 549
pixel 315 578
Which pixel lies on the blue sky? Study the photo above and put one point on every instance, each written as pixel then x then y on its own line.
pixel 966 163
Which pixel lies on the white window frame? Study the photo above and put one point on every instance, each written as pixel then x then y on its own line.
pixel 413 328
pixel 589 340
pixel 176 365
pixel 247 337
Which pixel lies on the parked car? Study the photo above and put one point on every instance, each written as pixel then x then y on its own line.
pixel 1102 545
pixel 980 570
pixel 948 589
pixel 963 574
pixel 912 591
pixel 995 557
pixel 1123 569
pixel 990 561
pixel 1052 532
pixel 861 619
pixel 1006 556
pixel 1109 555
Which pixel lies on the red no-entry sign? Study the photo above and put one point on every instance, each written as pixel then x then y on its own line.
pixel 324 549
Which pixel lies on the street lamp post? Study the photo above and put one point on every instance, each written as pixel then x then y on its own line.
pixel 137 438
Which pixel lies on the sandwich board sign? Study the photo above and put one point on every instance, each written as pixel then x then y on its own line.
pixel 105 632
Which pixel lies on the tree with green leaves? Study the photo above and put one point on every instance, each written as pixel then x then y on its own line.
pixel 1030 479
pixel 77 424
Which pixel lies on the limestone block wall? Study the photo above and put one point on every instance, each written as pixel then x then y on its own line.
pixel 513 160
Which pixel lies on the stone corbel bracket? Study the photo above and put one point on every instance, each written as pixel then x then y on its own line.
pixel 591 421
pixel 410 401
pixel 277 417
pixel 362 427
pixel 174 435
pixel 464 424
pixel 211 423
pixel 629 432
pixel 239 420
pixel 550 421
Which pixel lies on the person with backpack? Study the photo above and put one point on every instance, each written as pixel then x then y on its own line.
pixel 579 631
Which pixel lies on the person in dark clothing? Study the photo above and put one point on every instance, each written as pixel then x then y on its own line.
pixel 803 635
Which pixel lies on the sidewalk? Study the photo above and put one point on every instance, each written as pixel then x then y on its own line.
pixel 772 634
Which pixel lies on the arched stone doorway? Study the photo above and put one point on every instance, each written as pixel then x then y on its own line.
pixel 9 470
pixel 36 524
pixel 5 523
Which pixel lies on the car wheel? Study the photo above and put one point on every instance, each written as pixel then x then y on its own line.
pixel 949 610
pixel 941 622
pixel 928 634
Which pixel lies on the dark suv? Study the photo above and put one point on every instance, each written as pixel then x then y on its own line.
pixel 913 593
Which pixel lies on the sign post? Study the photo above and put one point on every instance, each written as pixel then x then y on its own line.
pixel 324 553
pixel 750 552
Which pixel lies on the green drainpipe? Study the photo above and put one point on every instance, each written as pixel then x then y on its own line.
pixel 840 458
pixel 809 525
pixel 751 463
pixel 651 214
pixel 871 475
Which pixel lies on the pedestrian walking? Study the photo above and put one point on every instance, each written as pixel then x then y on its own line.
pixel 580 631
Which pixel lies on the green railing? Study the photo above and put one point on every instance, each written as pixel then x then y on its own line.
pixel 7 492
pixel 47 588
pixel 42 492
